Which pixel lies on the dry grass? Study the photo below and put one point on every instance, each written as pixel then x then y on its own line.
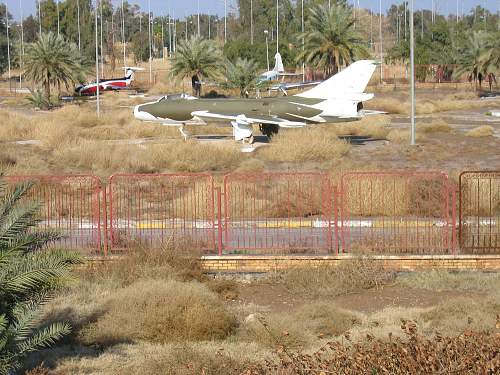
pixel 401 136
pixel 370 126
pixel 427 104
pixel 481 131
pixel 303 145
pixel 460 314
pixel 210 358
pixel 435 126
pixel 446 280
pixel 181 311
pixel 350 276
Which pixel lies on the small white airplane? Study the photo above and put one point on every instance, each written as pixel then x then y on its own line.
pixel 279 72
pixel 109 84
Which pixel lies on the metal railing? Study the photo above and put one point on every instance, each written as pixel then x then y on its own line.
pixel 398 212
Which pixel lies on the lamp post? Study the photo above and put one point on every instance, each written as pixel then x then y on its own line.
pixel 8 39
pixel 412 81
pixel 251 21
pixel 266 33
pixel 97 61
pixel 277 25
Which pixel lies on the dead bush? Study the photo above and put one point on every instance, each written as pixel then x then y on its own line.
pixel 435 126
pixel 161 311
pixel 301 145
pixel 326 319
pixel 468 353
pixel 348 276
pixel 481 131
pixel 459 314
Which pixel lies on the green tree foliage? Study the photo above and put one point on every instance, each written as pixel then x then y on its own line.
pixel 242 74
pixel 469 57
pixel 3 39
pixel 332 40
pixel 29 274
pixel 51 61
pixel 140 46
pixel 197 57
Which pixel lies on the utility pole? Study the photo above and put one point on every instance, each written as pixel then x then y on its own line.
pixel 209 21
pixel 412 80
pixel 162 41
pixel 251 21
pixel 225 21
pixel 8 41
pixel 303 43
pixel 102 50
pixel 21 52
pixel 58 26
pixel 78 22
pixel 266 33
pixel 97 61
pixel 149 40
pixel 277 25
pixel 381 43
pixel 198 18
pixel 39 18
pixel 123 36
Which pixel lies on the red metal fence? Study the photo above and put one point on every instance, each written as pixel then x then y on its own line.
pixel 71 205
pixel 277 213
pixel 274 213
pixel 479 212
pixel 397 212
pixel 154 209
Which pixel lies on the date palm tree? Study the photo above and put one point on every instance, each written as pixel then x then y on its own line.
pixel 197 58
pixel 470 58
pixel 490 57
pixel 243 75
pixel 331 39
pixel 52 61
pixel 29 274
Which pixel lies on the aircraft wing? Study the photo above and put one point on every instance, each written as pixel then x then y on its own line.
pixel 290 86
pixel 207 115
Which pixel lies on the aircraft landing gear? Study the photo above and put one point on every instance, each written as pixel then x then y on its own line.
pixel 269 129
pixel 248 140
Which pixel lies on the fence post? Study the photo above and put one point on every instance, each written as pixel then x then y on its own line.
pixel 454 220
pixel 336 218
pixel 219 220
pixel 105 217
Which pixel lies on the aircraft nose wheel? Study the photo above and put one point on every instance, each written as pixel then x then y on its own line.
pixel 248 140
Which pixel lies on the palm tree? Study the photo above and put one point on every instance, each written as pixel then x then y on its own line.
pixel 51 61
pixel 469 58
pixel 490 58
pixel 331 39
pixel 242 75
pixel 29 274
pixel 197 58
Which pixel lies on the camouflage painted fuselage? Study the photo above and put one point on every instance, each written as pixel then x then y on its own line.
pixel 292 108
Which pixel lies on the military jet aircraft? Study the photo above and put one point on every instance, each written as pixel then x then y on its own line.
pixel 338 99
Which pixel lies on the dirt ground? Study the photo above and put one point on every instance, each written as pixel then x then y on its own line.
pixel 276 298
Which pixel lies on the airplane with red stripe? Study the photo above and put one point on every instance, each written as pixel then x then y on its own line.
pixel 108 84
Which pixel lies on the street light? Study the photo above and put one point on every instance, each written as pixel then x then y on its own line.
pixel 266 33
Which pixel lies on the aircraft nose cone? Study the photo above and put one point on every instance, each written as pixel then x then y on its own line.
pixel 143 115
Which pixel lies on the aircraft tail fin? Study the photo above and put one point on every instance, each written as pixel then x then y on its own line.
pixel 130 72
pixel 351 80
pixel 278 63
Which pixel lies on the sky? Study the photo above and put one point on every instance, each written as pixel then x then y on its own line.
pixel 180 8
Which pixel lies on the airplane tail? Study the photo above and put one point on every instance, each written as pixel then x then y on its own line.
pixel 130 72
pixel 278 63
pixel 352 80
